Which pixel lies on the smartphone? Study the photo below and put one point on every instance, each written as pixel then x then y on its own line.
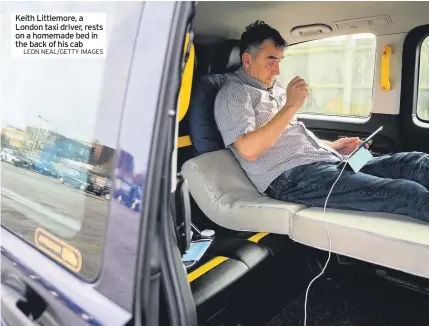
pixel 367 140
pixel 196 250
pixel 371 136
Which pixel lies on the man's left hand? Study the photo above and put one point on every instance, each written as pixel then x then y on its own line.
pixel 347 145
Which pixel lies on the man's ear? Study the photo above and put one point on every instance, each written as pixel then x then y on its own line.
pixel 246 59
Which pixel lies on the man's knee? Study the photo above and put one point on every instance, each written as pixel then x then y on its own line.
pixel 420 163
pixel 413 158
pixel 422 158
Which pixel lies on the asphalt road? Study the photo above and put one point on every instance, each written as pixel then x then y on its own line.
pixel 30 200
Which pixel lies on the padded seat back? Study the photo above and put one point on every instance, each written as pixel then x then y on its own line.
pixel 218 62
pixel 204 134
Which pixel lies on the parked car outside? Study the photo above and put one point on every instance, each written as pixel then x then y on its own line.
pixel 40 165
pixel 76 178
pixel 9 155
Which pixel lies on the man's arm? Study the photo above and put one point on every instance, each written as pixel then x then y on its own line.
pixel 329 143
pixel 252 145
pixel 255 143
pixel 346 145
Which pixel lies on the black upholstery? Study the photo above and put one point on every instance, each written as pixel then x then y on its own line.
pixel 217 280
pixel 248 252
pixel 202 126
pixel 226 58
pixel 218 58
pixel 212 74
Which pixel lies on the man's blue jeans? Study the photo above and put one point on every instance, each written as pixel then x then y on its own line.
pixel 395 184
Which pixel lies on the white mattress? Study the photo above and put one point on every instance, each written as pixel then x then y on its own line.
pixel 394 241
pixel 225 194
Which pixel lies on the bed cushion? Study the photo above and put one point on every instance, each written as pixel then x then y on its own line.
pixel 227 197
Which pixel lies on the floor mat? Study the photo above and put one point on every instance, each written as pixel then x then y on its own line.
pixel 350 302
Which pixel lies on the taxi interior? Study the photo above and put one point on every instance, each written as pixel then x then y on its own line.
pixel 265 252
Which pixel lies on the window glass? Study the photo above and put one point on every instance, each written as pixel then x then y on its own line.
pixel 60 116
pixel 423 92
pixel 339 70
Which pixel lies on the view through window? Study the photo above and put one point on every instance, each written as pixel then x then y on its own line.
pixel 339 70
pixel 59 134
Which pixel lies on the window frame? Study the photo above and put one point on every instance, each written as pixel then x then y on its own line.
pixel 411 76
pixel 416 119
pixel 341 118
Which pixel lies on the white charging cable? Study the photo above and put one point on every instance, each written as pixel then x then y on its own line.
pixel 330 246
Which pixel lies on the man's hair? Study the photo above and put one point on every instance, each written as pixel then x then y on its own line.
pixel 255 34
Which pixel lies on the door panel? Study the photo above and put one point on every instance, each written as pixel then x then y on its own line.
pixel 73 248
pixel 69 299
pixel 105 242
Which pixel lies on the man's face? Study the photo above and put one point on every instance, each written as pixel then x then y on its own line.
pixel 264 65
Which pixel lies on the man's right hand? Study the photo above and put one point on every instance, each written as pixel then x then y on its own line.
pixel 252 145
pixel 296 92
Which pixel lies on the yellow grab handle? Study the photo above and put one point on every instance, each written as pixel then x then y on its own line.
pixel 385 68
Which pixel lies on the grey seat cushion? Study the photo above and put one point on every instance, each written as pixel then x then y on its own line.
pixel 227 197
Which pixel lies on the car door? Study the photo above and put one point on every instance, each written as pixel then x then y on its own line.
pixel 70 257
pixel 355 86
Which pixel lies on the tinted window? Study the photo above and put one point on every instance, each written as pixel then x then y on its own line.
pixel 63 114
pixel 339 70
pixel 423 92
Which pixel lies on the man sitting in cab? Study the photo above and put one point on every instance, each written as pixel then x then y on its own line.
pixel 256 116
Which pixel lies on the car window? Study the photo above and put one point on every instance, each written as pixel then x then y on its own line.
pixel 423 91
pixel 65 113
pixel 339 70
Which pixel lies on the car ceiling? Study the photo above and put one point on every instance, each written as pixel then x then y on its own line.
pixel 216 20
